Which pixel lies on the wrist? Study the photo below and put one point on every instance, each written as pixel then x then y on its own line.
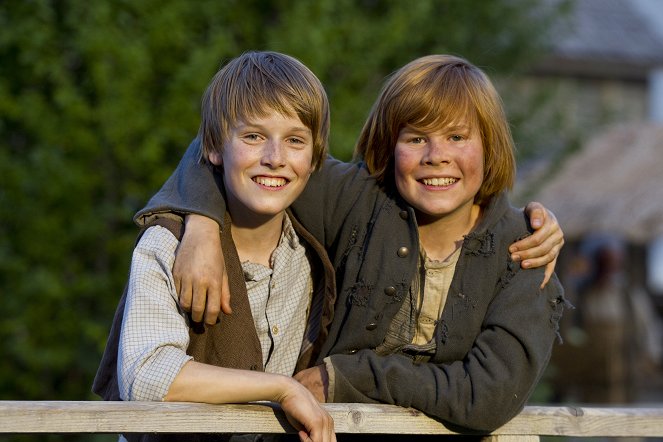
pixel 285 387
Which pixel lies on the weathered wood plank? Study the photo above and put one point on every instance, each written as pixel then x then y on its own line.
pixel 588 421
pixel 509 438
pixel 116 417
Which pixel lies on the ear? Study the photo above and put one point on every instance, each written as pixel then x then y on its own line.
pixel 216 158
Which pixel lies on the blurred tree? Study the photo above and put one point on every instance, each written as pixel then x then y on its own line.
pixel 98 100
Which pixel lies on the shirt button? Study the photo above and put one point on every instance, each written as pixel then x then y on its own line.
pixel 403 214
pixel 275 330
pixel 372 326
pixel 390 291
pixel 403 252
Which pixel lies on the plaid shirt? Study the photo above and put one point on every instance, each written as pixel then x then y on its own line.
pixel 155 333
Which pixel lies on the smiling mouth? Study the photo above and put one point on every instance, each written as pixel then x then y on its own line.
pixel 270 181
pixel 439 181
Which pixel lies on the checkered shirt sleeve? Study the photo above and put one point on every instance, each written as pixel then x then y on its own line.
pixel 154 335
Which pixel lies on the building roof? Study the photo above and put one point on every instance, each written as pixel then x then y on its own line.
pixel 615 38
pixel 613 185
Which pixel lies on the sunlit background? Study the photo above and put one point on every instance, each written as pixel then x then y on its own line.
pixel 99 99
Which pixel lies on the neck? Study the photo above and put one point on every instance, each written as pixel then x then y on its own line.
pixel 256 237
pixel 440 237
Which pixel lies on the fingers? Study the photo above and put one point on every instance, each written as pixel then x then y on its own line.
pixel 538 256
pixel 213 305
pixel 199 300
pixel 550 268
pixel 529 248
pixel 182 283
pixel 325 433
pixel 305 413
pixel 225 294
pixel 185 294
pixel 541 261
pixel 199 271
pixel 218 299
pixel 543 246
pixel 178 282
pixel 536 213
pixel 533 253
pixel 321 429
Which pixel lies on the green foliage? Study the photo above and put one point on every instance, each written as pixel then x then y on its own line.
pixel 354 45
pixel 98 99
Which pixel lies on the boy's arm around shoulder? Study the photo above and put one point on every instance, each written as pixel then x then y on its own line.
pixel 195 188
pixel 331 194
pixel 192 188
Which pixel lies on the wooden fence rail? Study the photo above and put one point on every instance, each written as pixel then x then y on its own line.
pixel 160 417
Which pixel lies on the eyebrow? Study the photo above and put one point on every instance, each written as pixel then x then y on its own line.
pixel 459 127
pixel 303 129
pixel 448 128
pixel 250 126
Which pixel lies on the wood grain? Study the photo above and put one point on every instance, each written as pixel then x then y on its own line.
pixel 162 417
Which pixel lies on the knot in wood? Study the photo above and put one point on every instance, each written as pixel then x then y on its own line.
pixel 357 417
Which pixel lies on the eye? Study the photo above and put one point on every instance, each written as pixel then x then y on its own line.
pixel 298 142
pixel 412 139
pixel 251 137
pixel 456 137
pixel 412 136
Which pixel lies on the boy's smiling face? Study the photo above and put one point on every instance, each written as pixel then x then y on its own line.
pixel 439 172
pixel 266 164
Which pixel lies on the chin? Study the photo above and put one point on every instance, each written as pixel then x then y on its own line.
pixel 269 211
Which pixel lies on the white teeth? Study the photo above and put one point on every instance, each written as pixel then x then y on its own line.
pixel 439 181
pixel 270 182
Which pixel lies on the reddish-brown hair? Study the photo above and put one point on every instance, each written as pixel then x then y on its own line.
pixel 433 92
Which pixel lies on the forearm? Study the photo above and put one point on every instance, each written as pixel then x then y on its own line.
pixel 485 389
pixel 331 193
pixel 451 392
pixel 195 188
pixel 197 382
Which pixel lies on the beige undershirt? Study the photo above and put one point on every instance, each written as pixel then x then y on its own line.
pixel 437 280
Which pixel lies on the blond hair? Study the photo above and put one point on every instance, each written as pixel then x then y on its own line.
pixel 256 83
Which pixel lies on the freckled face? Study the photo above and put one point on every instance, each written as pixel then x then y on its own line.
pixel 439 172
pixel 266 164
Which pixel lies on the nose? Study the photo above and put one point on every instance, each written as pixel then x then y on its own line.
pixel 274 154
pixel 436 152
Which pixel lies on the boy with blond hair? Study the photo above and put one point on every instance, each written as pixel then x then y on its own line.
pixel 264 130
